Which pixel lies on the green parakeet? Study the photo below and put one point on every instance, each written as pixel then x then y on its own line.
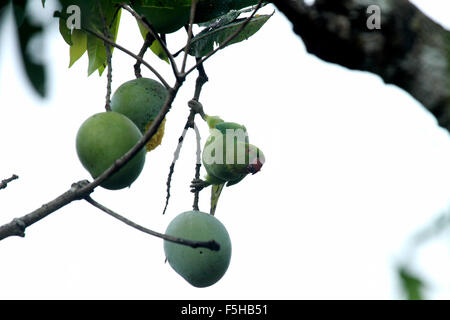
pixel 228 157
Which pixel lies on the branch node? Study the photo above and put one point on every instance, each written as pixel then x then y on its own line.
pixel 76 186
pixel 20 227
pixel 196 107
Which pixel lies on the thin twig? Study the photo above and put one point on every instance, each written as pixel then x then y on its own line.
pixel 119 47
pixel 189 31
pixel 109 77
pixel 212 244
pixel 198 165
pixel 147 43
pixel 176 155
pixel 227 40
pixel 150 29
pixel 190 123
pixel 108 59
pixel 5 182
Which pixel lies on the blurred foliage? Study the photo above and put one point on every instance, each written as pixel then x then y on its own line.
pixel 28 31
pixel 411 284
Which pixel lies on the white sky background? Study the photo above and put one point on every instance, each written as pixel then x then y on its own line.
pixel 354 168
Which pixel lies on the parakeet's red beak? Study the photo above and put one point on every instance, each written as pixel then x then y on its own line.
pixel 255 167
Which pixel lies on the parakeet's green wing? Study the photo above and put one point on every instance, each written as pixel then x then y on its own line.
pixel 233 182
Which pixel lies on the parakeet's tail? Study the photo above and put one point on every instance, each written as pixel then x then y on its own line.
pixel 216 190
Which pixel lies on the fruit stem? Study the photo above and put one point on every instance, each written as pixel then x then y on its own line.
pixel 212 244
pixel 147 43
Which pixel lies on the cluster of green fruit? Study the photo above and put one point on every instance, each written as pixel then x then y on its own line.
pixel 175 14
pixel 105 137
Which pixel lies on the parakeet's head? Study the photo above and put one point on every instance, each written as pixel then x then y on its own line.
pixel 256 158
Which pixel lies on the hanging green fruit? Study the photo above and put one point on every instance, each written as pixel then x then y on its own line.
pixel 200 267
pixel 141 100
pixel 104 138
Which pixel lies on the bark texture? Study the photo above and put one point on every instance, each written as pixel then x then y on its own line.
pixel 410 50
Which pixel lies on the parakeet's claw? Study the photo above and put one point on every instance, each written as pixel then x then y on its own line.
pixel 198 185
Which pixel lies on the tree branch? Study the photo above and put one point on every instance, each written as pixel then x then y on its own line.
pixel 18 225
pixel 83 188
pixel 212 245
pixel 5 182
pixel 410 50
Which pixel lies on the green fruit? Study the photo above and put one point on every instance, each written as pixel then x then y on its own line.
pixel 141 100
pixel 239 4
pixel 102 139
pixel 201 267
pixel 165 19
pixel 176 13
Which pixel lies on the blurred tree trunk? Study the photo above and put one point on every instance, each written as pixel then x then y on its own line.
pixel 409 50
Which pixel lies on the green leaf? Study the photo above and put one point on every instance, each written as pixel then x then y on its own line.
pixel 92 12
pixel 65 32
pixel 101 69
pixel 96 53
pixel 157 49
pixel 78 47
pixel 204 42
pixel 222 20
pixel 411 284
pixel 115 27
pixel 101 16
pixel 43 3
